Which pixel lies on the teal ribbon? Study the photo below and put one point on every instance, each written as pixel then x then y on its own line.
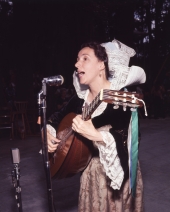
pixel 134 151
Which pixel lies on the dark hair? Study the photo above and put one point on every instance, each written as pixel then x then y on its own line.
pixel 100 53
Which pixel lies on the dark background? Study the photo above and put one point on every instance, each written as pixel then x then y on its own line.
pixel 43 37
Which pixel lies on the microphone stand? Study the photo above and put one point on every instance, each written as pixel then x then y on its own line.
pixel 15 173
pixel 42 103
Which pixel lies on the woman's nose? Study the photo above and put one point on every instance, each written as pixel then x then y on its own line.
pixel 77 64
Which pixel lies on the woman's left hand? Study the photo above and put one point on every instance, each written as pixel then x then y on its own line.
pixel 86 129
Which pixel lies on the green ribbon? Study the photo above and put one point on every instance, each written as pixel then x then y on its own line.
pixel 134 151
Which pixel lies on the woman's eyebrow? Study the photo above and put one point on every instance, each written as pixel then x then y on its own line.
pixel 85 55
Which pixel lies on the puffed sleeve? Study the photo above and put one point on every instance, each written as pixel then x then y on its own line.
pixel 112 125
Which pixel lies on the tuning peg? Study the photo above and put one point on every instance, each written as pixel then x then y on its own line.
pixel 124 108
pixel 116 107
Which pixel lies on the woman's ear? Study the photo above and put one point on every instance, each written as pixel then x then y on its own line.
pixel 102 66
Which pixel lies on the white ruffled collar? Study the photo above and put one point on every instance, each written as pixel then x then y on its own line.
pixel 125 76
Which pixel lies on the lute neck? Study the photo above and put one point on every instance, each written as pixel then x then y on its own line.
pixel 89 109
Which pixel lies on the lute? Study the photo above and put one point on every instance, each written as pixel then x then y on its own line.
pixel 74 151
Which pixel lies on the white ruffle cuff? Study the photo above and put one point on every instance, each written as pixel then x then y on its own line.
pixel 110 160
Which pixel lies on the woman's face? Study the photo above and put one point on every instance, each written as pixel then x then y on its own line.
pixel 88 66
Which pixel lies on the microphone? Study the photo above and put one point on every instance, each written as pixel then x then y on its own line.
pixel 15 155
pixel 54 80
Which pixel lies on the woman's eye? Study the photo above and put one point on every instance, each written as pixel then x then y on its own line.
pixel 85 58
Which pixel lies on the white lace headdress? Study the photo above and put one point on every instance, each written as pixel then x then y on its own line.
pixel 121 74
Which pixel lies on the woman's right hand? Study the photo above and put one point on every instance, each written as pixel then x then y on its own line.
pixel 52 142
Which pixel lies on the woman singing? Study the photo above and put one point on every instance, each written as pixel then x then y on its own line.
pixel 105 181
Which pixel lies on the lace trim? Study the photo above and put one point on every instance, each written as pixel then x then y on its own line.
pixel 51 130
pixel 118 57
pixel 110 160
pixel 119 76
pixel 118 52
pixel 124 48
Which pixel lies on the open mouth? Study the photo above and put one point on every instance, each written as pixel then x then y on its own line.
pixel 80 73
